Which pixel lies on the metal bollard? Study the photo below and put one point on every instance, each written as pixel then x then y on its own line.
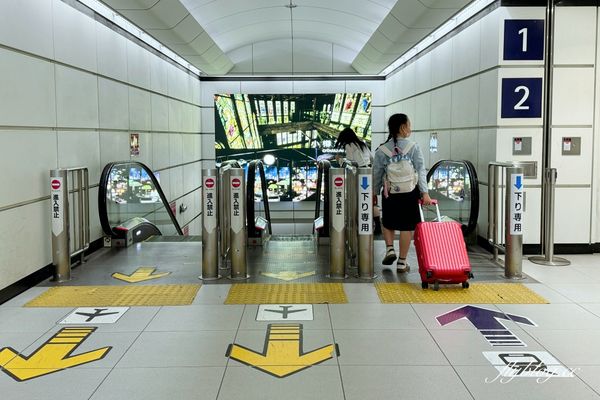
pixel 513 219
pixel 337 236
pixel 59 202
pixel 210 248
pixel 238 224
pixel 549 258
pixel 365 224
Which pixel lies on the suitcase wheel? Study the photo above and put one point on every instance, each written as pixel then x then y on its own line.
pixel 436 286
pixel 471 276
pixel 424 285
pixel 465 285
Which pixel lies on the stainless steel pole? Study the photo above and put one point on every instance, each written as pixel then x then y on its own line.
pixel 549 258
pixel 513 223
pixel 238 224
pixel 337 239
pixel 59 203
pixel 365 223
pixel 210 240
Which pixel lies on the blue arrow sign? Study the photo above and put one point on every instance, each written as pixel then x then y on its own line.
pixel 487 322
pixel 365 183
pixel 519 184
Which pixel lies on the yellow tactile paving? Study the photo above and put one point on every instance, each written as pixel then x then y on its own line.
pixel 297 293
pixel 478 293
pixel 93 296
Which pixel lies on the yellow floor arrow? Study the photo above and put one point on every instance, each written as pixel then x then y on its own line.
pixel 282 354
pixel 139 275
pixel 50 357
pixel 288 275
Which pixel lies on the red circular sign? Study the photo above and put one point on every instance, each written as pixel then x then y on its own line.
pixel 55 184
pixel 210 183
pixel 338 181
pixel 235 182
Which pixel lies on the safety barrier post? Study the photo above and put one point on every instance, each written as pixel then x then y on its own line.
pixel 210 240
pixel 337 236
pixel 238 230
pixel 513 219
pixel 549 258
pixel 365 224
pixel 59 203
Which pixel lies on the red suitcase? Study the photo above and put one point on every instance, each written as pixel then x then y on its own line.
pixel 441 252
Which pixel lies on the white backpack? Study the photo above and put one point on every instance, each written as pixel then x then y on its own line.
pixel 400 175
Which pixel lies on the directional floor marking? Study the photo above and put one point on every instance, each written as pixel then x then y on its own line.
pixel 139 275
pixel 282 354
pixel 288 275
pixel 531 364
pixel 282 312
pixel 95 315
pixel 52 356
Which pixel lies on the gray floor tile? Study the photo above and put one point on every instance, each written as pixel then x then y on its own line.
pixel 395 382
pixel 246 383
pixel 197 318
pixel 466 347
pixel 554 316
pixel 119 342
pixel 374 316
pixel 20 319
pixel 590 375
pixel 521 388
pixel 18 342
pixel 212 293
pixel 25 297
pixel 580 293
pixel 68 384
pixel 428 313
pixel 554 275
pixel 320 313
pixel 178 349
pixel 311 340
pixel 134 320
pixel 571 347
pixel 548 293
pixel 361 293
pixel 197 383
pixel 389 347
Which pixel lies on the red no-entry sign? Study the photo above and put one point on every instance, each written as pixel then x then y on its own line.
pixel 338 181
pixel 235 182
pixel 55 184
pixel 209 183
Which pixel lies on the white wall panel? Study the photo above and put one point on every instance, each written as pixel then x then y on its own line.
pixel 466 52
pixel 533 205
pixel 575 46
pixel 465 103
pixel 175 116
pixel 423 73
pixel 572 169
pixel 164 179
pixel 27 25
pixel 210 88
pixel 175 149
pixel 114 146
pixel 463 145
pixel 74 37
pixel 422 119
pixel 488 98
pixel 138 66
pixel 140 109
pixel 27 91
pixel 486 152
pixel 176 82
pixel 309 87
pixel 176 178
pixel 27 157
pixel 572 215
pixel 573 96
pixel 266 87
pixel 188 143
pixel 76 98
pixel 159 74
pixel 95 227
pixel 441 110
pixel 146 149
pixel 378 121
pixel 160 113
pixel 192 177
pixel 377 139
pixel 19 228
pixel 208 147
pixel 208 120
pixel 112 53
pixel 160 150
pixel 504 143
pixel 422 139
pixel 70 153
pixel 490 41
pixel 409 78
pixel 441 64
pixel 113 99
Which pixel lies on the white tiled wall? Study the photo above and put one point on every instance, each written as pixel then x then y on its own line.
pixel 71 92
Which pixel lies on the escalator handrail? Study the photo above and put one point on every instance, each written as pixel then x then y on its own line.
pixel 323 167
pixel 102 198
pixel 250 212
pixel 474 214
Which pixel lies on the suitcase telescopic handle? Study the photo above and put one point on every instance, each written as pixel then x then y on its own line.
pixel 437 210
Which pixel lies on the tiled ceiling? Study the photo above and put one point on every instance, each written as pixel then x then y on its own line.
pixel 364 36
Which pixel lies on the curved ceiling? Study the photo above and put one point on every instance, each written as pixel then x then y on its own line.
pixel 364 36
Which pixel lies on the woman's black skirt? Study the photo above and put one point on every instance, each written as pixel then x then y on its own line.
pixel 400 211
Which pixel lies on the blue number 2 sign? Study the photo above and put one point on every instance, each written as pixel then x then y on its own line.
pixel 521 98
pixel 524 39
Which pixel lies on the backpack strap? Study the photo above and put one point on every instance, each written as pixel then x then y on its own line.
pixel 408 147
pixel 386 151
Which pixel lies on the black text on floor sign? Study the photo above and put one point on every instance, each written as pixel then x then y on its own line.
pixel 282 354
pixel 139 275
pixel 531 364
pixel 52 356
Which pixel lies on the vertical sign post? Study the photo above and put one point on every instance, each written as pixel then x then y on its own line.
pixel 365 224
pixel 210 248
pixel 337 235
pixel 59 212
pixel 238 224
pixel 514 223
